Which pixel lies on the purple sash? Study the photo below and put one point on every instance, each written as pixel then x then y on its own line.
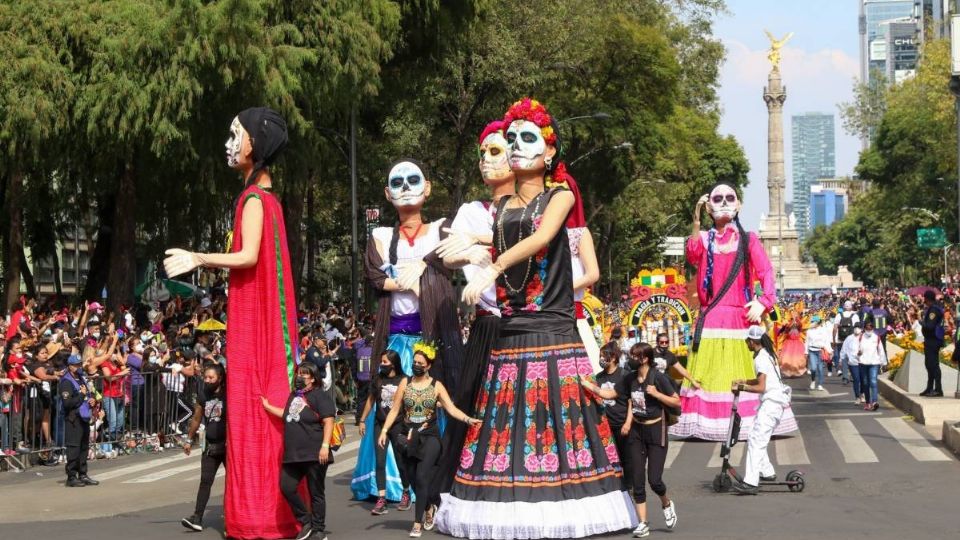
pixel 405 324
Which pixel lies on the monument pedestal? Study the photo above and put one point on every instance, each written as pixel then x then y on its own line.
pixel 782 244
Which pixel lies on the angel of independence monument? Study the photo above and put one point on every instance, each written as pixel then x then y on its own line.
pixel 778 232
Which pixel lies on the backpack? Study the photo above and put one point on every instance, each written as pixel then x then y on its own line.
pixel 671 414
pixel 845 328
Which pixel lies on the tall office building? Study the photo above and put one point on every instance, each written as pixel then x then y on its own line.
pixel 873 39
pixel 814 157
pixel 827 205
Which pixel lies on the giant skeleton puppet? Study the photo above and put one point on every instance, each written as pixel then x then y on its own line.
pixel 416 302
pixel 468 247
pixel 729 262
pixel 261 340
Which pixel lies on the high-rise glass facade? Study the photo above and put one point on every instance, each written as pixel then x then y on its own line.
pixel 814 157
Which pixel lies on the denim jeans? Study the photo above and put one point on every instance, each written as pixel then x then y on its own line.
pixel 4 431
pixel 857 384
pixel 815 365
pixel 114 409
pixel 868 382
pixel 841 364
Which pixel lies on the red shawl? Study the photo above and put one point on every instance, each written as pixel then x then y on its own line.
pixel 261 353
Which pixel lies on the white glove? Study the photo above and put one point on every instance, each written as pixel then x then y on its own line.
pixel 479 256
pixel 408 275
pixel 755 310
pixel 179 261
pixel 481 281
pixel 454 243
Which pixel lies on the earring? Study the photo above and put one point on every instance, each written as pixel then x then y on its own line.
pixel 548 161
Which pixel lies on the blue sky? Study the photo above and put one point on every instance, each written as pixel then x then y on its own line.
pixel 818 68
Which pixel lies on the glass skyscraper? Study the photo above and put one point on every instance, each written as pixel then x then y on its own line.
pixel 873 42
pixel 814 157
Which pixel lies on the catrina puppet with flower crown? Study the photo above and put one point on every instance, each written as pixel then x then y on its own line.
pixel 729 260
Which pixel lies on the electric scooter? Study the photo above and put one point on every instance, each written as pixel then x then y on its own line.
pixel 723 482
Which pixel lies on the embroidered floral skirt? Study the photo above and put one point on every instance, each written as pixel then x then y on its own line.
pixel 543 464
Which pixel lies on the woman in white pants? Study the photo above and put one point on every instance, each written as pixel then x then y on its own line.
pixel 774 397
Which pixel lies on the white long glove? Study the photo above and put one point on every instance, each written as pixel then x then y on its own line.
pixel 481 281
pixel 455 243
pixel 475 255
pixel 179 261
pixel 408 275
pixel 755 310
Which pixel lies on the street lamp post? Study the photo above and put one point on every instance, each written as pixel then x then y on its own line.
pixel 621 146
pixel 594 116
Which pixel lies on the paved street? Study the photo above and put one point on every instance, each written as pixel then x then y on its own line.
pixel 869 475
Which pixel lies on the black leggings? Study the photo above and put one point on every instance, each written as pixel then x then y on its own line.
pixel 209 465
pixel 394 436
pixel 648 450
pixel 626 459
pixel 421 471
pixel 290 476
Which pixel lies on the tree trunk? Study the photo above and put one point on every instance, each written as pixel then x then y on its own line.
pixel 293 216
pixel 122 272
pixel 100 257
pixel 311 238
pixel 14 245
pixel 27 275
pixel 57 281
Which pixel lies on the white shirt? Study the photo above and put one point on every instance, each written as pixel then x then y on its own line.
pixel 406 302
pixel 849 350
pixel 870 350
pixel 818 338
pixel 574 236
pixel 474 218
pixel 774 389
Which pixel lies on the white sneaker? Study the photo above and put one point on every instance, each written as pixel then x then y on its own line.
pixel 829 374
pixel 813 385
pixel 856 401
pixel 819 388
pixel 670 515
pixel 642 530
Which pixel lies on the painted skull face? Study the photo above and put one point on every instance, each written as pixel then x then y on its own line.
pixel 494 160
pixel 724 204
pixel 527 146
pixel 406 185
pixel 234 143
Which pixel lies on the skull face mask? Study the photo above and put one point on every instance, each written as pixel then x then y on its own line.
pixel 724 204
pixel 234 143
pixel 406 185
pixel 526 145
pixel 494 161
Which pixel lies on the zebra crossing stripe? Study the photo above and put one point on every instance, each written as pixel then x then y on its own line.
pixel 340 467
pixel 196 477
pixel 673 450
pixel 852 445
pixel 160 475
pixel 915 443
pixel 736 455
pixel 124 471
pixel 791 451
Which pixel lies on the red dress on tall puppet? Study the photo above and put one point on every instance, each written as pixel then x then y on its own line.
pixel 261 353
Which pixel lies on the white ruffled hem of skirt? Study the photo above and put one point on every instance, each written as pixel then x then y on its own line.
pixel 575 518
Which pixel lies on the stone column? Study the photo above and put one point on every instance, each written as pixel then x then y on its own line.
pixel 774 94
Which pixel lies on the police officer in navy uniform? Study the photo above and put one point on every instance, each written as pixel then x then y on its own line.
pixel 933 331
pixel 78 405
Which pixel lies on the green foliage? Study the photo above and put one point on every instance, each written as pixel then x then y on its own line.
pixel 912 167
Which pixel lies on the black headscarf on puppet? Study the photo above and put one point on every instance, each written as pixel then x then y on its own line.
pixel 268 136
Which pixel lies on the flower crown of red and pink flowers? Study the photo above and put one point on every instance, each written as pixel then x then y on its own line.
pixel 533 111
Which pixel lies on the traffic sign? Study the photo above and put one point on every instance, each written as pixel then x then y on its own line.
pixel 932 238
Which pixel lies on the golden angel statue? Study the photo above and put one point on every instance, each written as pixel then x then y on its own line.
pixel 775 45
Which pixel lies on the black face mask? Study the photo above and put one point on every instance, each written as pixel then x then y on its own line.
pixel 635 364
pixel 385 371
pixel 299 383
pixel 419 370
pixel 211 387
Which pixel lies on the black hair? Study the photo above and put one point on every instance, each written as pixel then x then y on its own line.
pixel 395 361
pixel 642 350
pixel 221 373
pixel 662 335
pixel 767 345
pixel 611 351
pixel 314 372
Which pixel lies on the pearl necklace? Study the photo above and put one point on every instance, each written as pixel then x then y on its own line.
pixel 503 244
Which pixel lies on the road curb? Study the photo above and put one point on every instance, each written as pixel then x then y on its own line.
pixel 931 412
pixel 951 436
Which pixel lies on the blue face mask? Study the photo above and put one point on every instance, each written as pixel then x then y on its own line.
pixel 47 333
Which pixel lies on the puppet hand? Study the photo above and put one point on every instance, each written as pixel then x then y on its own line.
pixel 454 243
pixel 479 256
pixel 179 261
pixel 408 275
pixel 755 310
pixel 480 282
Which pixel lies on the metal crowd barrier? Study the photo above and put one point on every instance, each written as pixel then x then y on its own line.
pixel 146 417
